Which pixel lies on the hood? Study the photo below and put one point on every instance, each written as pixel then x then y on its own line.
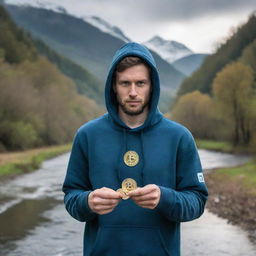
pixel 154 115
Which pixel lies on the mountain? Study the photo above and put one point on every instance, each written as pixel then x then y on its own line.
pixel 84 43
pixel 168 50
pixel 93 20
pixel 188 64
pixel 106 27
pixel 226 53
pixel 177 54
pixel 44 4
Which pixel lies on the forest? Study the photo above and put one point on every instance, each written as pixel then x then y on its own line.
pixel 39 105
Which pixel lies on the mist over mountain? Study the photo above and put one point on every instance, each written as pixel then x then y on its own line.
pixel 106 27
pixel 168 50
pixel 38 4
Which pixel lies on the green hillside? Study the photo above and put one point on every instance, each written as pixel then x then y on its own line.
pixel 230 51
pixel 218 102
pixel 86 83
pixel 38 104
pixel 14 44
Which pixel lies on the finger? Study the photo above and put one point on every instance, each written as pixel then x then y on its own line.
pixel 103 201
pixel 146 197
pixel 142 191
pixel 99 208
pixel 105 211
pixel 147 204
pixel 107 193
pixel 110 194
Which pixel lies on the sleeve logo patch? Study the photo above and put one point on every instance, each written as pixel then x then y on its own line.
pixel 200 177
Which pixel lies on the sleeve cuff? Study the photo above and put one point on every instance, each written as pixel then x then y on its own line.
pixel 166 202
pixel 83 206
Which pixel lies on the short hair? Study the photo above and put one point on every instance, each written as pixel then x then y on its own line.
pixel 129 62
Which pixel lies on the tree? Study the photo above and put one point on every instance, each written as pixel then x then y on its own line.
pixel 196 111
pixel 249 56
pixel 232 89
pixel 1 54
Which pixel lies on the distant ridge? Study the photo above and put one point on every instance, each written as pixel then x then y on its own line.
pixel 188 64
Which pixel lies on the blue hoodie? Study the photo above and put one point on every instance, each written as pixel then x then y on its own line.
pixel 168 158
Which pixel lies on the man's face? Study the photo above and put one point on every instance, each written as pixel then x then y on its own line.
pixel 133 88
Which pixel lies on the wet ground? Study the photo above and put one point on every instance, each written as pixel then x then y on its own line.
pixel 211 235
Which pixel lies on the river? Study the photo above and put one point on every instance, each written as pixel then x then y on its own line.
pixel 33 220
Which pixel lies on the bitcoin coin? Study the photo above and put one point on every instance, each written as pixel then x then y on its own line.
pixel 131 158
pixel 129 185
pixel 124 196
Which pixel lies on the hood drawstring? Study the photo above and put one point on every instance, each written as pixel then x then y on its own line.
pixel 143 158
pixel 123 149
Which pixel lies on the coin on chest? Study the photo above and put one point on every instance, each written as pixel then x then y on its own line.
pixel 131 158
pixel 129 185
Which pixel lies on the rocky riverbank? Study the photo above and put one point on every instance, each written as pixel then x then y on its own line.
pixel 233 198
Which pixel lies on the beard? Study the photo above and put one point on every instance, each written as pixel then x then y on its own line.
pixel 130 110
pixel 133 112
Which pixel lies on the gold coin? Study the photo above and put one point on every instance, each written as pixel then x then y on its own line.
pixel 124 196
pixel 131 158
pixel 129 185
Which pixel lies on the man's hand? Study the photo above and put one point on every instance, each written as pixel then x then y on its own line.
pixel 103 200
pixel 146 197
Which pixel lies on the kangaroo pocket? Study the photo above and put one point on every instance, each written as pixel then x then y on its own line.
pixel 129 241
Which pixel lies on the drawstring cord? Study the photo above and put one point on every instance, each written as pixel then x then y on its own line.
pixel 143 158
pixel 120 158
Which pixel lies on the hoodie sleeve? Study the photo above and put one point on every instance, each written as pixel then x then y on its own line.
pixel 188 200
pixel 77 184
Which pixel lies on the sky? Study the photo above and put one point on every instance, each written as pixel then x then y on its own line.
pixel 199 24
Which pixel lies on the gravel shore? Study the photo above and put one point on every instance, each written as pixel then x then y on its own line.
pixel 230 199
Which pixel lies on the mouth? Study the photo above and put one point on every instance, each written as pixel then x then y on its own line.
pixel 133 102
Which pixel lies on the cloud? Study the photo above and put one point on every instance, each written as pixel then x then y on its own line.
pixel 161 10
pixel 200 24
pixel 184 9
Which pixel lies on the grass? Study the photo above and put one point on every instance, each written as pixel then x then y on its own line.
pixel 220 146
pixel 26 161
pixel 244 174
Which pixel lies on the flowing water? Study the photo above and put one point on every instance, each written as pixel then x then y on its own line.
pixel 33 220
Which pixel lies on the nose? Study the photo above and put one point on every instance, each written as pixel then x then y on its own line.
pixel 133 92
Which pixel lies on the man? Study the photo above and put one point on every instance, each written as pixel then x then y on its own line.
pixel 133 175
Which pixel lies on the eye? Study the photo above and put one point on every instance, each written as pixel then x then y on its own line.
pixel 141 83
pixel 124 83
